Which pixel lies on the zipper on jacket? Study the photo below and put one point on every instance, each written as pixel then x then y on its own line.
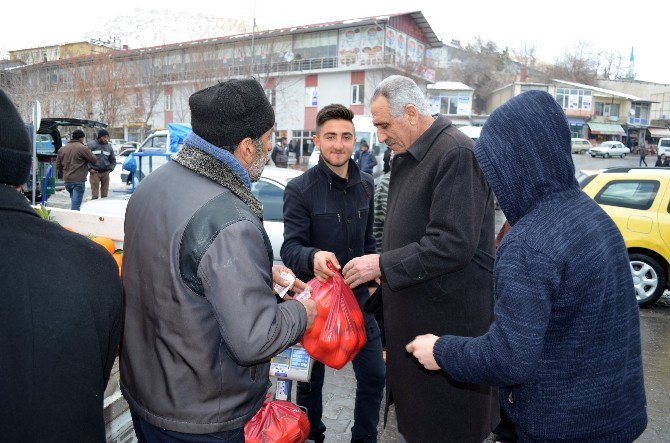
pixel 338 218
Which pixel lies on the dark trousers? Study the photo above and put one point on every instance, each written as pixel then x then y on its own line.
pixel 148 433
pixel 370 374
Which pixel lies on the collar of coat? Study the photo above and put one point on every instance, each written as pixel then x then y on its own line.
pixel 337 181
pixel 13 200
pixel 420 147
pixel 225 156
pixel 207 165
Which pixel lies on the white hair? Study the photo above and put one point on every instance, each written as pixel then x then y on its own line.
pixel 401 91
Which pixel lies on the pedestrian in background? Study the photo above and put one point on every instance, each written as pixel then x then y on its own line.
pixel 365 159
pixel 662 161
pixel 643 153
pixel 198 339
pixel 280 153
pixel 104 164
pixel 72 163
pixel 436 263
pixel 565 344
pixel 61 312
pixel 328 214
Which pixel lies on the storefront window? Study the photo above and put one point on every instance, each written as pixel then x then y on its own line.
pixel 574 98
pixel 315 45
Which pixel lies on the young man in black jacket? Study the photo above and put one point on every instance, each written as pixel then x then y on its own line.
pixel 328 215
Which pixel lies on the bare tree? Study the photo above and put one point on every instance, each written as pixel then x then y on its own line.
pixel 525 54
pixel 609 64
pixel 578 65
pixel 484 68
pixel 147 75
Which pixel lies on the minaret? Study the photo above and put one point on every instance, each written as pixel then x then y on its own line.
pixel 631 64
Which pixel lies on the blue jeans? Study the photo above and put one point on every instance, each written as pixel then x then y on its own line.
pixel 148 433
pixel 76 190
pixel 370 374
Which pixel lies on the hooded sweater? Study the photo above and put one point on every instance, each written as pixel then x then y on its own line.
pixel 565 343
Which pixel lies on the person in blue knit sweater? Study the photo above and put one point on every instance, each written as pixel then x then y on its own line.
pixel 565 344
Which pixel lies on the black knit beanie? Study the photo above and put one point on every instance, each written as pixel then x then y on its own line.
pixel 102 133
pixel 228 112
pixel 15 146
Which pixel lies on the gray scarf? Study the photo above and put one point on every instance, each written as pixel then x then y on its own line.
pixel 214 169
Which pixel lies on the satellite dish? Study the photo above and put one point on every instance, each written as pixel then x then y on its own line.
pixel 288 56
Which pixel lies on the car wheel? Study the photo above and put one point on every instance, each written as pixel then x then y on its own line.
pixel 649 279
pixel 607 156
pixel 623 155
pixel 593 156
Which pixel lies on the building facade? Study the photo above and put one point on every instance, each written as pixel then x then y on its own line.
pixel 594 113
pixel 302 69
pixel 452 99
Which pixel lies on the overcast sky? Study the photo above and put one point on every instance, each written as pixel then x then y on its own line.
pixel 552 27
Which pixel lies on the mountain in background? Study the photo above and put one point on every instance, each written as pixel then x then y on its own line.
pixel 151 27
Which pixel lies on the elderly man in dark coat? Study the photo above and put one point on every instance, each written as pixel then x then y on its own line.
pixel 435 266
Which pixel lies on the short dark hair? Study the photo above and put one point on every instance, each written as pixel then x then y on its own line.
pixel 78 134
pixel 333 112
pixel 282 139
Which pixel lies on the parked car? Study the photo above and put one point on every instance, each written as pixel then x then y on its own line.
pixel 125 152
pixel 609 149
pixel 471 131
pixel 638 200
pixel 269 190
pixel 664 146
pixel 116 144
pixel 580 145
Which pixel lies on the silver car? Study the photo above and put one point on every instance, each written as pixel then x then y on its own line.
pixel 609 149
pixel 269 190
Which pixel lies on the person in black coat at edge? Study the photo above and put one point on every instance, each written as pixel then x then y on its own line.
pixel 60 316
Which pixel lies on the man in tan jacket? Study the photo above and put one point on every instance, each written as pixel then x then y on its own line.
pixel 72 164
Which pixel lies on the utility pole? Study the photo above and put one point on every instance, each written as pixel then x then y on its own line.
pixel 253 35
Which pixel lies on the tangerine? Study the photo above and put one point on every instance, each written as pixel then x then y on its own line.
pixel 119 260
pixel 106 243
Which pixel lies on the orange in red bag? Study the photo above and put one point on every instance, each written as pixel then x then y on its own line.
pixel 338 332
pixel 277 421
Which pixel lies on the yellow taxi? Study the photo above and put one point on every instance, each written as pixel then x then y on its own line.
pixel 638 200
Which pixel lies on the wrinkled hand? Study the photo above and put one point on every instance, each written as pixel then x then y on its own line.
pixel 422 348
pixel 361 270
pixel 321 270
pixel 298 286
pixel 276 275
pixel 310 307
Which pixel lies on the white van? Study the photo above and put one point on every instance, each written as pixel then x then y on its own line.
pixel 663 146
pixel 471 131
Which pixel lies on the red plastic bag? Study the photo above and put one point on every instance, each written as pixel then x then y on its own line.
pixel 338 332
pixel 277 421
